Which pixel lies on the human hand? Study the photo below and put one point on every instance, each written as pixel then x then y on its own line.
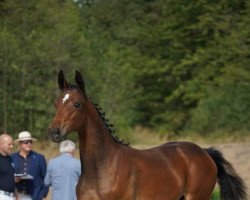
pixel 17 179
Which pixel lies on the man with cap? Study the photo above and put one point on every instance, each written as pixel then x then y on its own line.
pixel 31 167
pixel 7 181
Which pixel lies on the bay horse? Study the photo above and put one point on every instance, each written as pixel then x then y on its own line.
pixel 112 170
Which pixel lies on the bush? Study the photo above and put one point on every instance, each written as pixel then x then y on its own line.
pixel 226 108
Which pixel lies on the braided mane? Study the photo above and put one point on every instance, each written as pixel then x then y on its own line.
pixel 105 121
pixel 108 125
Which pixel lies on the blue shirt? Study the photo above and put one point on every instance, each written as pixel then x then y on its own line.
pixel 63 174
pixel 35 165
pixel 7 181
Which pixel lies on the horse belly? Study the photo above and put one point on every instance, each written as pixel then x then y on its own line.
pixel 94 195
pixel 160 188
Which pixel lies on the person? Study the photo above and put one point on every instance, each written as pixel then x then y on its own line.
pixel 7 180
pixel 32 166
pixel 63 172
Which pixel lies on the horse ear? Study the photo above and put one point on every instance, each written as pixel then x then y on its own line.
pixel 80 82
pixel 62 83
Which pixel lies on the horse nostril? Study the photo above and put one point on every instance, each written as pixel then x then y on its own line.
pixel 54 134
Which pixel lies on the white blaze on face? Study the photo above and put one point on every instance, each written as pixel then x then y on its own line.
pixel 65 98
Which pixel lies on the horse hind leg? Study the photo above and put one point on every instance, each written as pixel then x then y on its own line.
pixel 198 196
pixel 202 189
pixel 204 194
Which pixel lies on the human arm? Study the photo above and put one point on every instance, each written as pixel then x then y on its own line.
pixel 47 179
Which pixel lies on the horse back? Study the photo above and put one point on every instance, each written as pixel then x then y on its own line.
pixel 169 169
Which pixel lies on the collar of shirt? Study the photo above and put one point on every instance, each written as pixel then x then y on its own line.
pixel 29 154
pixel 66 154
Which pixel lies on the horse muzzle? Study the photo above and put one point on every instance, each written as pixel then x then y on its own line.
pixel 55 134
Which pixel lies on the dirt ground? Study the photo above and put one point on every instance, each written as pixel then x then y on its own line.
pixel 238 154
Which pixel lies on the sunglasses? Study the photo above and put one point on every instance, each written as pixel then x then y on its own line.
pixel 27 142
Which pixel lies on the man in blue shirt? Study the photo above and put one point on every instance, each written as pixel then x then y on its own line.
pixel 7 181
pixel 28 162
pixel 63 173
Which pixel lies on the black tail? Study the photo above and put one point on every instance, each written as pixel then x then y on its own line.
pixel 232 187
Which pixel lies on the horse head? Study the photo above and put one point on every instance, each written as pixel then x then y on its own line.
pixel 69 107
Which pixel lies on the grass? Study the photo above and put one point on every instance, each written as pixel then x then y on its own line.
pixel 216 195
pixel 146 137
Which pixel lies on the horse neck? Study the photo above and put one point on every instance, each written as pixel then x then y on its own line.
pixel 96 144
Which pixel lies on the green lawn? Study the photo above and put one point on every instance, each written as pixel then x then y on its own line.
pixel 216 195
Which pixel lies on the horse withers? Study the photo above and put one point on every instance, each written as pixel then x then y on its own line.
pixel 112 170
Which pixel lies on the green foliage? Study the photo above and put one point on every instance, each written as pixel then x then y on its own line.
pixel 167 65
pixel 39 38
pixel 225 108
pixel 216 195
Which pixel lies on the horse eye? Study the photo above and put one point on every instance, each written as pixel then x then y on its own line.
pixel 77 104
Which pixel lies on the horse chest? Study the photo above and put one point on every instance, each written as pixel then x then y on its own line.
pixel 89 194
